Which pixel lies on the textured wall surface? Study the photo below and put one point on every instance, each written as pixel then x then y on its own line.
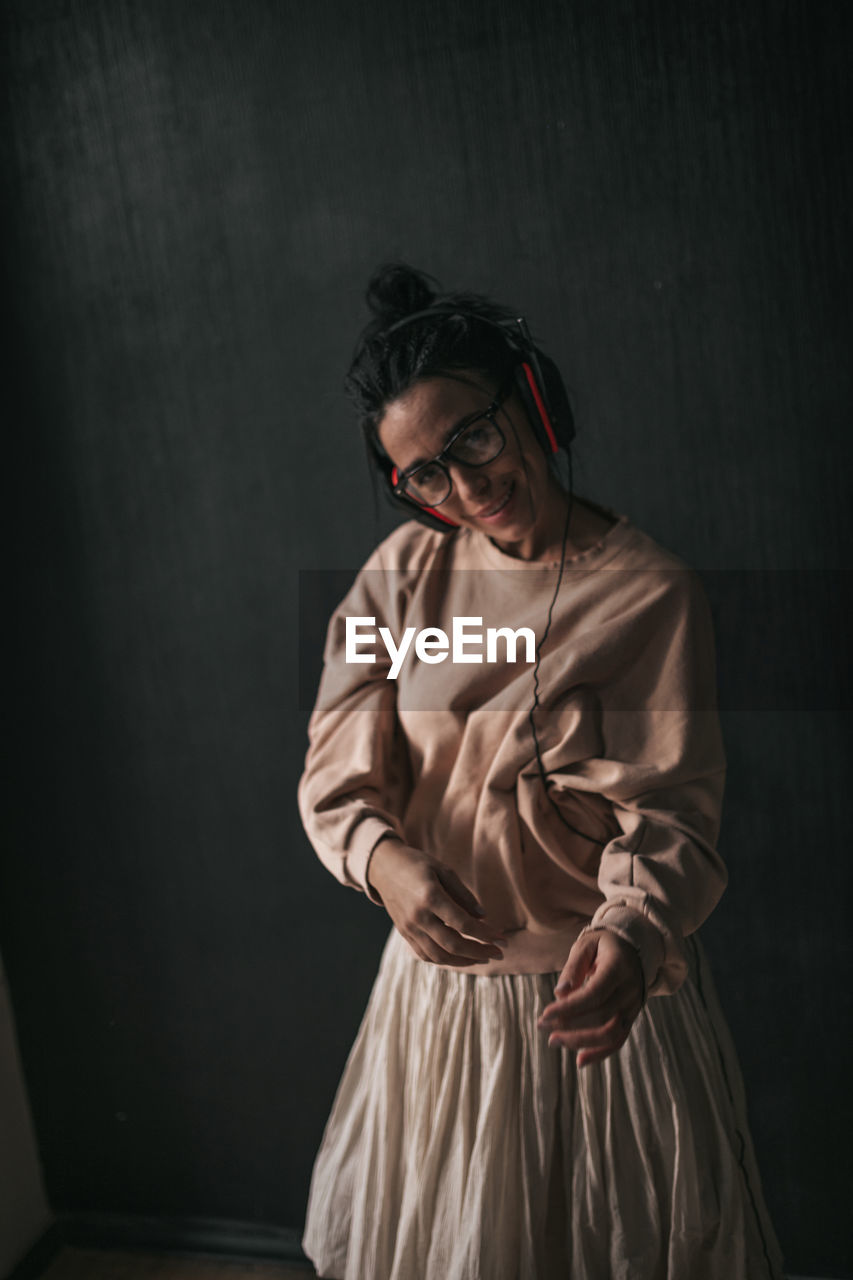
pixel 195 194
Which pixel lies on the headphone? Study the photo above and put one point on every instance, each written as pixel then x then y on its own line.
pixel 540 389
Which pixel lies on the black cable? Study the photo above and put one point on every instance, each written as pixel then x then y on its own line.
pixel 536 746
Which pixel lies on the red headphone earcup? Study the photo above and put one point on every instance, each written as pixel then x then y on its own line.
pixel 540 406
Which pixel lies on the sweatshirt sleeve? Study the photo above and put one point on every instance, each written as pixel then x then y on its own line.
pixel 353 787
pixel 663 770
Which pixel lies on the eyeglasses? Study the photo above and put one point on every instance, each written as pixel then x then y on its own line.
pixel 476 443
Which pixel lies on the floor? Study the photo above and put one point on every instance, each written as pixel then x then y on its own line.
pixel 103 1264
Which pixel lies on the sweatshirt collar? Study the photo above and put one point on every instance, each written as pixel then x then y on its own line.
pixel 593 557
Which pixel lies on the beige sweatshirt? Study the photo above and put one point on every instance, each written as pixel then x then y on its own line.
pixel 441 752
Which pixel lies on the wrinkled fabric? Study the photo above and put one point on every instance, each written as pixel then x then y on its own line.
pixel 461 1147
pixel 623 831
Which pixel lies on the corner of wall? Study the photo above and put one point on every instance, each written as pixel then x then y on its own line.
pixel 25 1213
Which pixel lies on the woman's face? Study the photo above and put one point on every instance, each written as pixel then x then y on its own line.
pixel 514 499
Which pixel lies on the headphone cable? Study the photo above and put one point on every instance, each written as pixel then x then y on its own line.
pixel 536 746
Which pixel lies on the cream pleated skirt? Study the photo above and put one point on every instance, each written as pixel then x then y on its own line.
pixel 461 1147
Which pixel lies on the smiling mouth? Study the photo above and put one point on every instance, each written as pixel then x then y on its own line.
pixel 493 511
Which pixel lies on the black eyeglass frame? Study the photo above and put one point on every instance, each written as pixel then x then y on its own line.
pixel 399 489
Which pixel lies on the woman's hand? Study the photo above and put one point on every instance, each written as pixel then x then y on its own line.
pixel 433 910
pixel 600 992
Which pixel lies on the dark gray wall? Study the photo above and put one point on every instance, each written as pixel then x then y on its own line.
pixel 195 196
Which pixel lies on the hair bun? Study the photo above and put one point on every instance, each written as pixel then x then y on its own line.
pixel 396 290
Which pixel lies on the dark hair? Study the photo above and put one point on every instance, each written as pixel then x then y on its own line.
pixel 385 364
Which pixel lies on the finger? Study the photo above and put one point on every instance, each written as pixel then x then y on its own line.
pixel 456 944
pixel 588 1056
pixel 459 890
pixel 434 954
pixel 607 1035
pixel 608 990
pixel 558 1017
pixel 450 913
pixel 469 927
pixel 579 965
pixel 611 969
pixel 594 993
pixel 462 910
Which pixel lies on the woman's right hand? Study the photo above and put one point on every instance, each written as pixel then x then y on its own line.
pixel 433 910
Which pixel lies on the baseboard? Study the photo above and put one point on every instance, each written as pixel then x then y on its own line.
pixel 217 1237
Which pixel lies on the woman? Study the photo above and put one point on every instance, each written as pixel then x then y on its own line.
pixel 515 752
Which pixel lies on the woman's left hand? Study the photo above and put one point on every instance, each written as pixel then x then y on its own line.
pixel 599 995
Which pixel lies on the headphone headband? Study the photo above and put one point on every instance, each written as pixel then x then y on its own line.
pixel 523 348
